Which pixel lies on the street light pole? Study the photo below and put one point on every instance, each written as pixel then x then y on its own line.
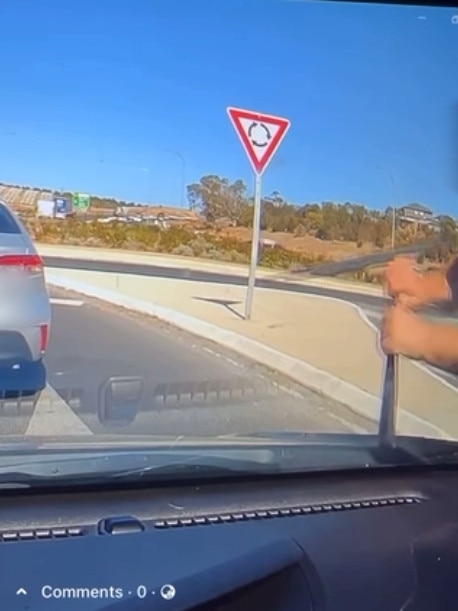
pixel 148 182
pixel 393 214
pixel 183 174
pixel 393 207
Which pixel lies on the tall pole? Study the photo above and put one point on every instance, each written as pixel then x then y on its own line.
pixel 393 207
pixel 183 175
pixel 147 173
pixel 254 246
pixel 393 214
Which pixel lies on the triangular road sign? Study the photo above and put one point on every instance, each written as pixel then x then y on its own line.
pixel 259 134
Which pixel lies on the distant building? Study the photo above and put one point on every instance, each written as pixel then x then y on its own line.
pixel 416 213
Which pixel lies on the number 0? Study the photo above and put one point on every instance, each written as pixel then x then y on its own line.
pixel 142 592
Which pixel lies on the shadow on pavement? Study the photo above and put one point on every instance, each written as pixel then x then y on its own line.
pixel 226 303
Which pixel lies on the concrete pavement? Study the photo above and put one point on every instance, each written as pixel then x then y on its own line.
pixel 330 335
pixel 369 298
pixel 92 341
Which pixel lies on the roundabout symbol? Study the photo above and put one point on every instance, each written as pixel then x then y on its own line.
pixel 259 134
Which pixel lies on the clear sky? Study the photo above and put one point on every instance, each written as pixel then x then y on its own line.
pixel 119 97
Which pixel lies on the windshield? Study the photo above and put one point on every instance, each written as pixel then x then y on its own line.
pixel 215 193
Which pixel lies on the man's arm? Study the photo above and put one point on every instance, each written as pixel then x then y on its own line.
pixel 439 346
pixel 451 278
pixel 440 285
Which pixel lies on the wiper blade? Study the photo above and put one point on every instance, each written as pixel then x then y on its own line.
pixel 261 453
pixel 352 264
pixel 94 466
pixel 403 450
pixel 190 470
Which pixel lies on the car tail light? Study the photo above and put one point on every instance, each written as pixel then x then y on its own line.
pixel 29 263
pixel 44 337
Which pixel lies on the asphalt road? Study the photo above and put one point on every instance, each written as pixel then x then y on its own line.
pixel 92 341
pixel 372 305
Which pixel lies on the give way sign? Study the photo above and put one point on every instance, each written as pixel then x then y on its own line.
pixel 260 135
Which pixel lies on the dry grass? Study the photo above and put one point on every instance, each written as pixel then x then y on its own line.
pixel 305 245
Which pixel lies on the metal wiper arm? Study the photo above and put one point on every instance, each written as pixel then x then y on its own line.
pixel 388 411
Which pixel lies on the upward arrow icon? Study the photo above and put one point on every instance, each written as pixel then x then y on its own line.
pixel 21 592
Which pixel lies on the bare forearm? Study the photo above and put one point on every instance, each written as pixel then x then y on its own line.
pixel 440 346
pixel 436 286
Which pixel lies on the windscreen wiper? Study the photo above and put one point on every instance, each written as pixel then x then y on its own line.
pixel 91 467
pixel 353 264
pixel 389 404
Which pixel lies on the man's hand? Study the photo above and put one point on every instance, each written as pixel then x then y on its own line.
pixel 405 284
pixel 403 332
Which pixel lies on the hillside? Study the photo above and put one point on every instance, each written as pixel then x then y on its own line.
pixel 23 200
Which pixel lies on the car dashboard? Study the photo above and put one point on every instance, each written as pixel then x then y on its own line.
pixel 377 540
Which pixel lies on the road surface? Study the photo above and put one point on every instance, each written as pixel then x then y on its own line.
pixel 371 305
pixel 92 341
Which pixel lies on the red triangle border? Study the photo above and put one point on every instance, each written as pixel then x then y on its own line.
pixel 235 114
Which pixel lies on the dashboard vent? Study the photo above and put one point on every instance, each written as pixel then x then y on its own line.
pixel 288 512
pixel 41 533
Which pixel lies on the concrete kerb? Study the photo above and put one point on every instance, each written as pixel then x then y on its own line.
pixel 67 253
pixel 357 400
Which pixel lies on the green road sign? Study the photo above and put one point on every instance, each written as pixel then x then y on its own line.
pixel 81 201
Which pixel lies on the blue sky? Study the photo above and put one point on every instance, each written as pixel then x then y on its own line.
pixel 119 97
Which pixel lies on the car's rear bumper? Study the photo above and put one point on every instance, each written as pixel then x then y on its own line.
pixel 21 328
pixel 21 378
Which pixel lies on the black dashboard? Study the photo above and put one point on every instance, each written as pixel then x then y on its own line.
pixel 365 541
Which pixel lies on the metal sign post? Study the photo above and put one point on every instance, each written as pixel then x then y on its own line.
pixel 254 246
pixel 260 136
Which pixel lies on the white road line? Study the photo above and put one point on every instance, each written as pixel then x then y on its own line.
pixel 373 313
pixel 436 374
pixel 53 416
pixel 66 302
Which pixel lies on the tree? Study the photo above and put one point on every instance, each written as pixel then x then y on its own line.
pixel 217 198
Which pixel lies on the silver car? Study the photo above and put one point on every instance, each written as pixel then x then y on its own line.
pixel 25 308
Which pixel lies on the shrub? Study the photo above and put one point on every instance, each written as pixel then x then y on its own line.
pixel 173 240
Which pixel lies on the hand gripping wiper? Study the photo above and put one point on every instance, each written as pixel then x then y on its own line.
pixel 389 405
